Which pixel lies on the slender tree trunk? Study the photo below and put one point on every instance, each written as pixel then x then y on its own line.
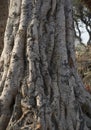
pixel 40 87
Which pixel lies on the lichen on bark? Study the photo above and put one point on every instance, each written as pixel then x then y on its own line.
pixel 41 89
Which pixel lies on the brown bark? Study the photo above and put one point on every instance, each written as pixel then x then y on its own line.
pixel 40 87
pixel 3 18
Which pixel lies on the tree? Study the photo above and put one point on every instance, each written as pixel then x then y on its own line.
pixel 3 17
pixel 40 87
pixel 82 15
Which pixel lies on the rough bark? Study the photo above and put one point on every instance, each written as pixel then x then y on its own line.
pixel 3 18
pixel 40 87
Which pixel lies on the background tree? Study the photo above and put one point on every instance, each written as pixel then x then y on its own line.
pixel 82 19
pixel 82 15
pixel 40 87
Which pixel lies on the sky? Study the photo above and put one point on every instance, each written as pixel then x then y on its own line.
pixel 84 33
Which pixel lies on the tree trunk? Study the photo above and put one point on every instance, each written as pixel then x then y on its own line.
pixel 3 17
pixel 40 88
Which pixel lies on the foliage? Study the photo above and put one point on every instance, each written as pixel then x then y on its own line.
pixel 87 3
pixel 83 55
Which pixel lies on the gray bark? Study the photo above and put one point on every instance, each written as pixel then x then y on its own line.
pixel 40 87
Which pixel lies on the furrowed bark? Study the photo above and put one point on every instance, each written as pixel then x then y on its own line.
pixel 41 87
pixel 15 69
